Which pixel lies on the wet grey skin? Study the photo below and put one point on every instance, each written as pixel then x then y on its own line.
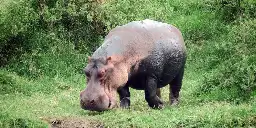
pixel 145 55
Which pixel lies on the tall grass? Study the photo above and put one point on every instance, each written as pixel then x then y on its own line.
pixel 44 49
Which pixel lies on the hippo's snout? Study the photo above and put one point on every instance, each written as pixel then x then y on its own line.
pixel 94 102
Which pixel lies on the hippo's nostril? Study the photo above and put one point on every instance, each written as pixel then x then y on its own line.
pixel 92 102
pixel 109 104
pixel 82 103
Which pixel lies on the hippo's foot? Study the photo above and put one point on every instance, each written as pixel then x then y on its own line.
pixel 155 102
pixel 174 101
pixel 125 103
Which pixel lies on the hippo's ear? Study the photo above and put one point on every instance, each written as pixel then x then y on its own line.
pixel 109 58
pixel 113 59
pixel 89 59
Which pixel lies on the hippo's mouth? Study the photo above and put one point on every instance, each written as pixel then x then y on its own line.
pixel 95 108
pixel 110 98
pixel 109 103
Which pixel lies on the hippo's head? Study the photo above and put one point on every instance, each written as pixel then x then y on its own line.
pixel 104 77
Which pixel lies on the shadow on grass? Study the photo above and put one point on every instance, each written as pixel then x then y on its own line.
pixel 73 122
pixel 90 113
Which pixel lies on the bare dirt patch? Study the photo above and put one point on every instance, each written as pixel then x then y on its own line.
pixel 70 122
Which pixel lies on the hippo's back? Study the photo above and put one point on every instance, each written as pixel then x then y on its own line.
pixel 139 38
pixel 162 48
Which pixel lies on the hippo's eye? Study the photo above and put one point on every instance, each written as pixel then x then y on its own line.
pixel 87 74
pixel 101 73
pixel 110 70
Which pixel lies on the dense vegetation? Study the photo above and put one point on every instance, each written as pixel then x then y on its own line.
pixel 44 46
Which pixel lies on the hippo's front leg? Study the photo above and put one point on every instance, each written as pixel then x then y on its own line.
pixel 151 93
pixel 124 95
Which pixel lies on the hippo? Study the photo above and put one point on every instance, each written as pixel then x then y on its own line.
pixel 144 55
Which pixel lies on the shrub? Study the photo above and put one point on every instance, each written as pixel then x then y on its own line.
pixel 76 22
pixel 7 121
pixel 44 37
pixel 17 23
pixel 50 57
pixel 119 12
pixel 235 78
pixel 16 17
pixel 194 18
pixel 230 10
pixel 81 20
pixel 11 84
pixel 200 26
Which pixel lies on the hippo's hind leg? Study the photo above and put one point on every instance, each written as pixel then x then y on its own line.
pixel 151 93
pixel 158 92
pixel 175 87
pixel 124 95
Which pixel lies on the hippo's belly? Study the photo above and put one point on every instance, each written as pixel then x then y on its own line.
pixel 138 80
pixel 163 64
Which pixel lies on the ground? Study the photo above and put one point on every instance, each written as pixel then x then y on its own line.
pixel 41 78
pixel 62 109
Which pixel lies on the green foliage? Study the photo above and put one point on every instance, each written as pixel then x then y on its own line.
pixel 21 22
pixel 16 17
pixel 119 12
pixel 11 84
pixel 50 56
pixel 235 77
pixel 193 17
pixel 200 26
pixel 80 20
pixel 6 121
pixel 230 10
pixel 17 23
pixel 48 43
pixel 44 46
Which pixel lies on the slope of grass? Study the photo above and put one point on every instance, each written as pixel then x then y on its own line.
pixel 42 74
pixel 191 112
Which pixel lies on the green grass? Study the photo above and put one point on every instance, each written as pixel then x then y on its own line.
pixel 191 112
pixel 41 68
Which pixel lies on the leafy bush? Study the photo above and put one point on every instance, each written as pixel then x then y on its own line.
pixel 17 23
pixel 16 17
pixel 7 121
pixel 72 21
pixel 200 26
pixel 230 10
pixel 45 37
pixel 235 78
pixel 81 20
pixel 119 12
pixel 50 56
pixel 194 18
pixel 11 84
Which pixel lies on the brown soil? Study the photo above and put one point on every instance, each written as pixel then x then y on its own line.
pixel 73 123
